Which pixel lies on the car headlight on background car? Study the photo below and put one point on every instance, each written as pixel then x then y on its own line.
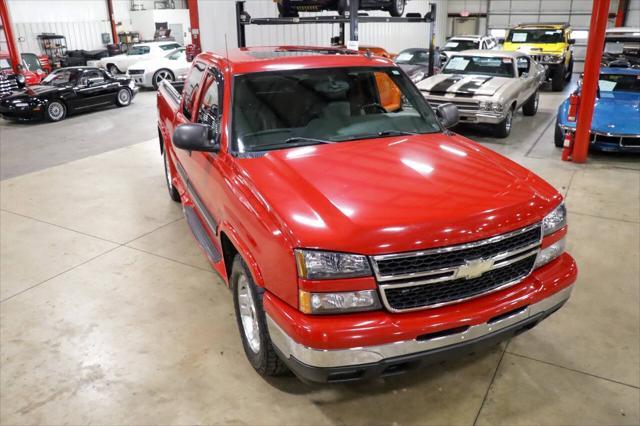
pixel 417 77
pixel 555 220
pixel 322 265
pixel 340 302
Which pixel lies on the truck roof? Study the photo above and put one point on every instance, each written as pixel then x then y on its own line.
pixel 281 58
pixel 543 25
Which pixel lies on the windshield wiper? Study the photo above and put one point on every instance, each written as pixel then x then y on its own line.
pixel 298 139
pixel 396 133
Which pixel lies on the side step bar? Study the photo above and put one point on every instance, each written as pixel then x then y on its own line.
pixel 201 235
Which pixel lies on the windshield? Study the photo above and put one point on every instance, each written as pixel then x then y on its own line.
pixel 536 36
pixel 460 45
pixel 413 57
pixel 628 46
pixel 61 77
pixel 138 50
pixel 619 83
pixel 480 65
pixel 31 62
pixel 176 54
pixel 5 64
pixel 276 110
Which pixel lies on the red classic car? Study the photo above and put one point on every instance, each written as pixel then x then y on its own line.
pixel 358 241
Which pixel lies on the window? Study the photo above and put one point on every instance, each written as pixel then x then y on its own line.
pixel 480 65
pixel 460 45
pixel 169 46
pixel 191 88
pixel 523 65
pixel 61 77
pixel 209 112
pixel 5 64
pixel 536 36
pixel 93 76
pixel 177 54
pixel 138 50
pixel 31 62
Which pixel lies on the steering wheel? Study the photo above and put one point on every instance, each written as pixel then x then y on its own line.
pixel 373 105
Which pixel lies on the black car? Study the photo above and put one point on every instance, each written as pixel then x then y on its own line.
pixel 65 91
pixel 290 8
pixel 415 62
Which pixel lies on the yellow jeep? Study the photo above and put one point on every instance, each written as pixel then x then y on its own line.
pixel 549 45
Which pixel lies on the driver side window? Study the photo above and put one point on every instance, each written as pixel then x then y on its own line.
pixel 209 112
pixel 92 76
pixel 523 66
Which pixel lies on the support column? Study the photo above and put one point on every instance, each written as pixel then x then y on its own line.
pixel 112 21
pixel 194 21
pixel 621 15
pixel 14 53
pixel 599 17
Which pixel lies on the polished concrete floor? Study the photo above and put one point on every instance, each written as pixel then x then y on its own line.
pixel 109 314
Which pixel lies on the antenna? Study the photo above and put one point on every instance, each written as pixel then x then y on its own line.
pixel 226 46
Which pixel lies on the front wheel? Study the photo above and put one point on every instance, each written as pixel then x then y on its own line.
pixel 569 70
pixel 56 111
pixel 123 98
pixel 558 80
pixel 113 70
pixel 502 129
pixel 558 136
pixel 396 8
pixel 252 323
pixel 530 107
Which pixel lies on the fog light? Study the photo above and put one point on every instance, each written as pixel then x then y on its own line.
pixel 328 303
pixel 546 255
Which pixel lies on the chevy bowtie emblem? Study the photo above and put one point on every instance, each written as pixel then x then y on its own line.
pixel 474 268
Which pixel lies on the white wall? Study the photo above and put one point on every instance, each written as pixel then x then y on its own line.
pixel 633 18
pixel 144 21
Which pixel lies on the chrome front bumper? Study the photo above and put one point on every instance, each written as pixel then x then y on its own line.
pixel 481 117
pixel 335 358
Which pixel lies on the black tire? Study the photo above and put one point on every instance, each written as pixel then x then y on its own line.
pixel 558 136
pixel 55 111
pixel 503 129
pixel 286 11
pixel 396 8
pixel 123 97
pixel 342 6
pixel 569 70
pixel 264 358
pixel 113 70
pixel 559 79
pixel 530 107
pixel 168 176
pixel 162 74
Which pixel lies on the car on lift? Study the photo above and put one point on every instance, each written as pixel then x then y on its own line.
pixel 415 62
pixel 291 8
pixel 487 86
pixel 621 48
pixel 119 64
pixel 615 126
pixel 358 241
pixel 548 44
pixel 150 72
pixel 467 42
pixel 68 90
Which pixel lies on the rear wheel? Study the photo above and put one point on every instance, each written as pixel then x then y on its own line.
pixel 123 98
pixel 558 136
pixel 113 70
pixel 285 10
pixel 569 70
pixel 56 111
pixel 559 78
pixel 531 106
pixel 160 76
pixel 252 323
pixel 396 8
pixel 502 129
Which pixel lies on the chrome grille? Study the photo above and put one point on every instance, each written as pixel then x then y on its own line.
pixel 463 105
pixel 134 72
pixel 7 85
pixel 537 58
pixel 437 277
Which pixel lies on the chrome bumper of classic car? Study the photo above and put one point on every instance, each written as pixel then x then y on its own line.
pixel 629 141
pixel 487 117
pixel 469 109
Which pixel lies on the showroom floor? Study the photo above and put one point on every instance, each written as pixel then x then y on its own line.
pixel 109 313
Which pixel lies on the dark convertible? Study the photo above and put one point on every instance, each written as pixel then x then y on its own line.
pixel 65 91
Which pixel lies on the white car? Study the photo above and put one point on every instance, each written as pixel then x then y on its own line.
pixel 172 67
pixel 136 53
pixel 467 42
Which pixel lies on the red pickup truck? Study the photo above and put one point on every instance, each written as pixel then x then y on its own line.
pixel 359 240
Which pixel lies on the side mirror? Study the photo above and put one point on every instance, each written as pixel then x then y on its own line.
pixel 448 115
pixel 196 137
pixel 572 41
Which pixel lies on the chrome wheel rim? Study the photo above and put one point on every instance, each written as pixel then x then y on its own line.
pixel 535 103
pixel 508 122
pixel 163 75
pixel 248 314
pixel 123 96
pixel 56 110
pixel 400 5
pixel 113 69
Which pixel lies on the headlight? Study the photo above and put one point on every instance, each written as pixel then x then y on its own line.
pixel 321 265
pixel 488 105
pixel 132 84
pixel 555 220
pixel 327 303
pixel 21 79
pixel 546 255
pixel 419 76
pixel 497 107
pixel 554 59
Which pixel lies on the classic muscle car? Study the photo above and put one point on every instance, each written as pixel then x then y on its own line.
pixel 415 62
pixel 136 53
pixel 151 72
pixel 68 90
pixel 616 117
pixel 487 86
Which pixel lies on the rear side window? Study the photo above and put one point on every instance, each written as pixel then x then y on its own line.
pixel 191 88
pixel 170 46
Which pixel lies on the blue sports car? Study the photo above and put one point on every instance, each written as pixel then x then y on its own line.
pixel 616 117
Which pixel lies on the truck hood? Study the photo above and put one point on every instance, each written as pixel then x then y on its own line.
pixel 535 49
pixel 614 112
pixel 478 85
pixel 395 194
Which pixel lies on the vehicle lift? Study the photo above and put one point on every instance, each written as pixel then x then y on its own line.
pixel 353 19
